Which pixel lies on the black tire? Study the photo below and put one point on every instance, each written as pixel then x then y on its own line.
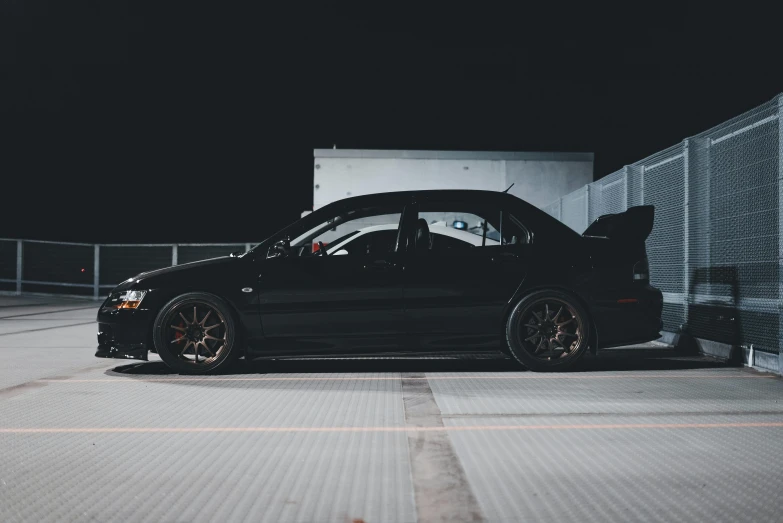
pixel 533 341
pixel 199 342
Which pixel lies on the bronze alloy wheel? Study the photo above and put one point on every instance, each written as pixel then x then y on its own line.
pixel 548 330
pixel 196 333
pixel 551 329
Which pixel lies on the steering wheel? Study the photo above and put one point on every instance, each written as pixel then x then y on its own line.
pixel 322 248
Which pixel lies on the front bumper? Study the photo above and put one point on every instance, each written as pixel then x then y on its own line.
pixel 124 334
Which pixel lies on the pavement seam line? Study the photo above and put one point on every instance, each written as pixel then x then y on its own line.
pixel 14 390
pixel 47 328
pixel 441 488
pixel 28 305
pixel 48 312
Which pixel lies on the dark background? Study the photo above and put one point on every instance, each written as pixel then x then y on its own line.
pixel 124 122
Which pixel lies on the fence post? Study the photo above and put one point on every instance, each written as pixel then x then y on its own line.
pixel 587 206
pixel 19 260
pixel 174 254
pixel 641 184
pixel 780 234
pixel 686 283
pixel 96 271
pixel 627 187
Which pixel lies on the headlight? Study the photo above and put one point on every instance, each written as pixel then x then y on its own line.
pixel 126 299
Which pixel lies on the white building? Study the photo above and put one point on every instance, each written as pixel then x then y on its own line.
pixel 538 178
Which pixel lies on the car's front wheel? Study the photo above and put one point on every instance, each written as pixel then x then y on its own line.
pixel 196 333
pixel 548 331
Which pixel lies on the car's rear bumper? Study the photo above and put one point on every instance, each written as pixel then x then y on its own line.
pixel 123 333
pixel 628 317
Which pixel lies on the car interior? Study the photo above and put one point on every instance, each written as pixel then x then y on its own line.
pixel 379 238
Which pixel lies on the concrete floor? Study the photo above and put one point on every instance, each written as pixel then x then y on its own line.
pixel 638 435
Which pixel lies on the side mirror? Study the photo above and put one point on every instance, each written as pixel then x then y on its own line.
pixel 280 248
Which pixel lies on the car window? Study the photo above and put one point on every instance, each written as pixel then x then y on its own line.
pixel 467 223
pixel 514 231
pixel 458 226
pixel 357 232
pixel 440 242
pixel 371 243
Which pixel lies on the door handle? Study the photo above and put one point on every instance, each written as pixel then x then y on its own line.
pixel 505 256
pixel 379 265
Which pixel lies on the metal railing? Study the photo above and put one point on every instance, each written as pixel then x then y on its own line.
pixel 716 250
pixel 86 269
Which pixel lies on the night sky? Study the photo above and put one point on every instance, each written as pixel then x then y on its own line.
pixel 161 122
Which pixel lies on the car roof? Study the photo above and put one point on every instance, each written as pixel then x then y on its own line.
pixel 467 195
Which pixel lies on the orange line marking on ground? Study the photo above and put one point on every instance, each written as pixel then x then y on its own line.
pixel 122 430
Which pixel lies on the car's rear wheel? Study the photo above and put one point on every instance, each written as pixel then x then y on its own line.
pixel 548 331
pixel 196 333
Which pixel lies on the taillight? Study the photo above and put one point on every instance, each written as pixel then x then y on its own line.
pixel 641 271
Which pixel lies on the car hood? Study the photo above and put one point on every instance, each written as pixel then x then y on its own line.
pixel 177 272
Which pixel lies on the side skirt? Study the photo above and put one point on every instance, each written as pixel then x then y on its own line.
pixel 439 355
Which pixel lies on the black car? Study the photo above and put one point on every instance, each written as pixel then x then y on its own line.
pixel 387 273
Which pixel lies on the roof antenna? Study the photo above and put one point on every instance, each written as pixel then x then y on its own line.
pixel 509 187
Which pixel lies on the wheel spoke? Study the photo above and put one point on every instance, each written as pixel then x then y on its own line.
pixel 182 353
pixel 566 333
pixel 530 338
pixel 202 322
pixel 557 315
pixel 546 311
pixel 212 326
pixel 208 337
pixel 177 340
pixel 184 319
pixel 195 320
pixel 540 346
pixel 551 349
pixel 176 328
pixel 565 322
pixel 537 317
pixel 207 348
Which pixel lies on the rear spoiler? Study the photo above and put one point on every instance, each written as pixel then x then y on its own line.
pixel 634 224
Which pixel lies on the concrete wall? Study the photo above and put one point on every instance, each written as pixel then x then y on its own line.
pixel 539 178
pixel 538 181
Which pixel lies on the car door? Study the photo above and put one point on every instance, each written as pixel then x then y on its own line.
pixel 457 288
pixel 347 299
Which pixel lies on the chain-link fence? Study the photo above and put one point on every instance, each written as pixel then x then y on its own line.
pixel 83 269
pixel 715 251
